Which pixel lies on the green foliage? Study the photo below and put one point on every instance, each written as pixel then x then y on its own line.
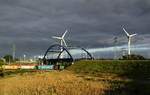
pixel 1 64
pixel 1 68
pixel 138 71
pixel 133 57
pixel 128 88
pixel 8 58
pixel 129 68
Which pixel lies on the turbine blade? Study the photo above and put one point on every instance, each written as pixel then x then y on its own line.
pixel 56 37
pixel 64 34
pixel 133 35
pixel 126 32
pixel 64 42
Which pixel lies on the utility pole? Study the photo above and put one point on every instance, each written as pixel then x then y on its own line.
pixel 24 57
pixel 14 51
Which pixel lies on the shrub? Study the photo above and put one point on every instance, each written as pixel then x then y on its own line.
pixel 1 68
pixel 133 57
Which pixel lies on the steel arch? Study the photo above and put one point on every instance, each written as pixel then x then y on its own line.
pixel 89 54
pixel 58 58
pixel 64 49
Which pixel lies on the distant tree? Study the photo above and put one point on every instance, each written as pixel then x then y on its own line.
pixel 1 63
pixel 16 59
pixel 133 57
pixel 8 58
pixel 1 68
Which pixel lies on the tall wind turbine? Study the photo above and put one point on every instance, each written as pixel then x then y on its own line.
pixel 62 40
pixel 129 36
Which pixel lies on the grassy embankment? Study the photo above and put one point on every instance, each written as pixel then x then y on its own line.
pixel 133 69
pixel 124 77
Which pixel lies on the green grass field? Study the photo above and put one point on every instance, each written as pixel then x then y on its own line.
pixel 133 69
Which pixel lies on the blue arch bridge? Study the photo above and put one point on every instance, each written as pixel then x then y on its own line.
pixel 57 54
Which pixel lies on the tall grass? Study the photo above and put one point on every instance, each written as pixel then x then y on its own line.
pixel 53 83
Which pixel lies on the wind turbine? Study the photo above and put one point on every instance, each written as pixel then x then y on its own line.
pixel 62 40
pixel 129 36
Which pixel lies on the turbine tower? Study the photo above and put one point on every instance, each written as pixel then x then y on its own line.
pixel 129 36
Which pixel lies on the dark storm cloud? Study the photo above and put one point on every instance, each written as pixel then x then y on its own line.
pixel 92 23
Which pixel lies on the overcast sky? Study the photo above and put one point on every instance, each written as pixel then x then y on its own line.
pixel 91 23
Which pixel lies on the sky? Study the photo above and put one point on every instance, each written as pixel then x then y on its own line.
pixel 30 24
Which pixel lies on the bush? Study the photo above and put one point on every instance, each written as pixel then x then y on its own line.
pixel 8 58
pixel 133 57
pixel 1 68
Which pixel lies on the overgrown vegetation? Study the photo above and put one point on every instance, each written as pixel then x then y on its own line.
pixel 132 68
pixel 134 75
pixel 1 68
pixel 53 83
pixel 133 57
pixel 9 58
